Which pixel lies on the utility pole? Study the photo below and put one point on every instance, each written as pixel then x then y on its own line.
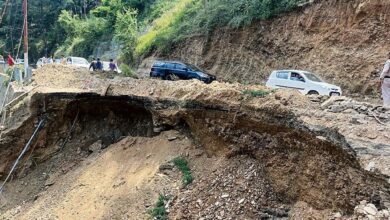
pixel 25 38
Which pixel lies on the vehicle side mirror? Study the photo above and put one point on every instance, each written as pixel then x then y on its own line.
pixel 185 69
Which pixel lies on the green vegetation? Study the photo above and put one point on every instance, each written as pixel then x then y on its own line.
pixel 127 71
pixel 182 164
pixel 257 93
pixel 188 18
pixel 45 32
pixel 81 34
pixel 159 211
pixel 139 27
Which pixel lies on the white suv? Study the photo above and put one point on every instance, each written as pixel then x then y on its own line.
pixel 305 82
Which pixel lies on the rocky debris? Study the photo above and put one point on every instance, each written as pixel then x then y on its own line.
pixel 96 147
pixel 166 167
pixel 330 101
pixel 172 138
pixel 119 183
pixel 338 104
pixel 318 98
pixel 49 182
pixel 237 190
pixel 368 211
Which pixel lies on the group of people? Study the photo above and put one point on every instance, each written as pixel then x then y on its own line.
pixel 48 60
pixel 97 65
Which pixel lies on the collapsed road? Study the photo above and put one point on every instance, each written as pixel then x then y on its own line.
pixel 292 160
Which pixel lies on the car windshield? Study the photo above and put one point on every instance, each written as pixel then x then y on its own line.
pixel 312 77
pixel 79 60
pixel 193 67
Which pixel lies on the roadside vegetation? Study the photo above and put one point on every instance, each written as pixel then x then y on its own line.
pixel 257 93
pixel 182 165
pixel 159 211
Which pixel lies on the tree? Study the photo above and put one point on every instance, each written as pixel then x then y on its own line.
pixel 126 28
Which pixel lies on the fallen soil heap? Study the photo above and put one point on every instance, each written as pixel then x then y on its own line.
pixel 251 157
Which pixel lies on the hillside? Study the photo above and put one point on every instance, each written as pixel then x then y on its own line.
pixel 346 42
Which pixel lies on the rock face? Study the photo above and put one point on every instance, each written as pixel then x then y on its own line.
pixel 329 37
pixel 369 211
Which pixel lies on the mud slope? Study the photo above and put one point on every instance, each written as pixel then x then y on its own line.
pixel 346 42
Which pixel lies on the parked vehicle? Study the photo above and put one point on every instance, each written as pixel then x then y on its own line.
pixel 77 61
pixel 40 63
pixel 305 82
pixel 169 70
pixel 19 61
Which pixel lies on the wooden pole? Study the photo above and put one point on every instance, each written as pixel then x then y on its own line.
pixel 25 38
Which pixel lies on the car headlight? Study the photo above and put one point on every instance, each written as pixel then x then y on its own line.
pixel 202 75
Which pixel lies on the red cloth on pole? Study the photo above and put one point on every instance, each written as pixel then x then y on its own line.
pixel 10 61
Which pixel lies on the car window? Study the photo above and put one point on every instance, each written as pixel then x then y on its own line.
pixel 312 77
pixel 158 64
pixel 170 66
pixel 179 66
pixel 282 75
pixel 193 67
pixel 297 77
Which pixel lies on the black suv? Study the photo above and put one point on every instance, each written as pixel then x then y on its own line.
pixel 176 70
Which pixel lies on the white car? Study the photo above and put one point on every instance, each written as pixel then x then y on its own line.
pixel 77 61
pixel 40 62
pixel 305 82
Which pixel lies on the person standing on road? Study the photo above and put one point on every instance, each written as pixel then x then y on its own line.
pixel 99 65
pixel 93 65
pixel 385 83
pixel 113 66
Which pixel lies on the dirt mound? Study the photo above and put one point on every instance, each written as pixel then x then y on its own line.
pixel 58 76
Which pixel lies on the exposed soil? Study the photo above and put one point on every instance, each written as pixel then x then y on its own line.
pixel 100 153
pixel 346 42
pixel 119 182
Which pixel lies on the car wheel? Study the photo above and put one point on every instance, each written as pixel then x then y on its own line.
pixel 334 94
pixel 312 92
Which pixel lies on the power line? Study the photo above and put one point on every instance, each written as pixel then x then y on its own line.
pixel 40 125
